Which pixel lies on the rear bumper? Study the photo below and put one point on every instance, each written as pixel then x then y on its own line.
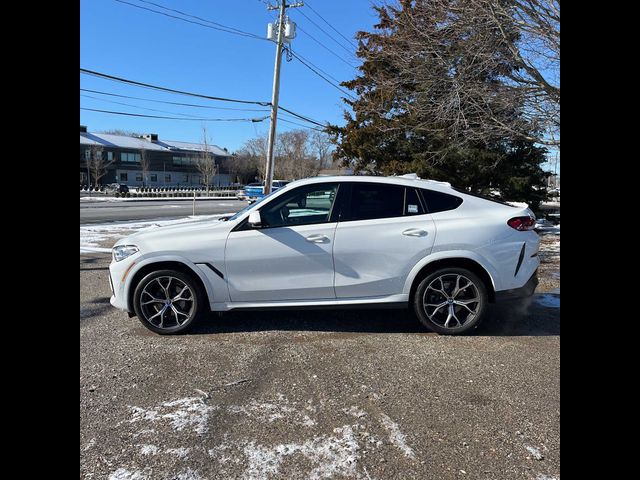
pixel 525 291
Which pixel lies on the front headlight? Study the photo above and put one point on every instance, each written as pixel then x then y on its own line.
pixel 123 251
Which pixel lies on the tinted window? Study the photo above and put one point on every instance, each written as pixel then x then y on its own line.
pixel 376 200
pixel 412 204
pixel 439 202
pixel 301 206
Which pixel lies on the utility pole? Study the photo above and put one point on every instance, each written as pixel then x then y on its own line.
pixel 276 91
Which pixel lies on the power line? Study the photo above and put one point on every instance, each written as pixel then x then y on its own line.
pixel 174 103
pixel 325 47
pixel 334 29
pixel 319 74
pixel 236 32
pixel 301 125
pixel 165 89
pixel 129 114
pixel 202 19
pixel 191 94
pixel 302 117
pixel 222 28
pixel 350 52
pixel 137 106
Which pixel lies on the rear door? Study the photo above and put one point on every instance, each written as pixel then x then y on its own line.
pixel 383 232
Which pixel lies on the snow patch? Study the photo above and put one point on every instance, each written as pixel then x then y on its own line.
pixel 91 236
pixel 181 452
pixel 329 456
pixel 183 413
pixel 148 449
pixel 355 411
pixel 272 411
pixel 90 444
pixel 542 476
pixel 188 474
pixel 396 436
pixel 535 452
pixel 124 474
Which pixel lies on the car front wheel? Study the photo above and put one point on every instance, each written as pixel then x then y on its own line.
pixel 168 302
pixel 451 301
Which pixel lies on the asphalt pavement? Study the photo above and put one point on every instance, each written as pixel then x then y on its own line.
pixel 92 212
pixel 336 394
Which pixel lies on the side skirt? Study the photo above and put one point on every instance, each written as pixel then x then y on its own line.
pixel 392 301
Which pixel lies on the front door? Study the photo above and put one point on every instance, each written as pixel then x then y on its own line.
pixel 290 257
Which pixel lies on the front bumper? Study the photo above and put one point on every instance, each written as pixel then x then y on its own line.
pixel 525 291
pixel 117 273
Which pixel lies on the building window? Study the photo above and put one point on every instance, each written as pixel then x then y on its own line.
pixel 182 161
pixel 138 177
pixel 167 178
pixel 185 178
pixel 87 154
pixel 124 177
pixel 110 156
pixel 130 157
pixel 154 177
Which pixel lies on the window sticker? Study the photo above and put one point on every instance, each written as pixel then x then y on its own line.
pixel 413 208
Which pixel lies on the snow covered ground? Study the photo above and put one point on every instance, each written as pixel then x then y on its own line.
pixel 93 237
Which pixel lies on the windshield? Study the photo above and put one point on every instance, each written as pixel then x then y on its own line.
pixel 249 207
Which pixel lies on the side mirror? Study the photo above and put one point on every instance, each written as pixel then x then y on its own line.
pixel 254 219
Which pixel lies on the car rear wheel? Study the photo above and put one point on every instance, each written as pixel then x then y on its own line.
pixel 168 302
pixel 451 301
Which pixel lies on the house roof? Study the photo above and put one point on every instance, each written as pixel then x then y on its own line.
pixel 123 141
pixel 192 147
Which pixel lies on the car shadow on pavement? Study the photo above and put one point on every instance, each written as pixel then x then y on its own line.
pixel 530 318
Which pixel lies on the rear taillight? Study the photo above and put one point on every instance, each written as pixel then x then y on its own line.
pixel 522 223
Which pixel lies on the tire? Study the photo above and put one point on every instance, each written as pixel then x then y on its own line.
pixel 155 304
pixel 446 314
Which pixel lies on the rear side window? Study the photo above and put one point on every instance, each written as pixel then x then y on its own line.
pixel 412 204
pixel 439 202
pixel 376 200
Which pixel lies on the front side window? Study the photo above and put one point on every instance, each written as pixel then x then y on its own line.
pixel 138 177
pixel 302 206
pixel 167 178
pixel 154 177
pixel 124 177
pixel 376 200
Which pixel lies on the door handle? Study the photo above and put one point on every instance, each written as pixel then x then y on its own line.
pixel 414 232
pixel 317 238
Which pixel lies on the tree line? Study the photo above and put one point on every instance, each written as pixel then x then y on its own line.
pixel 297 154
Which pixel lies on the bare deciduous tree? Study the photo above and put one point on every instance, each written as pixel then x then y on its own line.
pixel 205 163
pixel 145 164
pixel 97 163
pixel 322 146
pixel 253 155
pixel 293 160
pixel 466 70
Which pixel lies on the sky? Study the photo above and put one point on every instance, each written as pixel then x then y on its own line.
pixel 119 39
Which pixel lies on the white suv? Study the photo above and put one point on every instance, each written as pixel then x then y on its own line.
pixel 334 242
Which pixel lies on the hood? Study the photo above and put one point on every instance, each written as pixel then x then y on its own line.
pixel 169 236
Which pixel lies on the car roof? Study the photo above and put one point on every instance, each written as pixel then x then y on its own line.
pixel 408 180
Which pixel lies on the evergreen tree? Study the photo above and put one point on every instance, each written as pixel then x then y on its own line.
pixel 398 126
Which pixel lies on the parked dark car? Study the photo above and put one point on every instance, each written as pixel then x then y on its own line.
pixel 117 188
